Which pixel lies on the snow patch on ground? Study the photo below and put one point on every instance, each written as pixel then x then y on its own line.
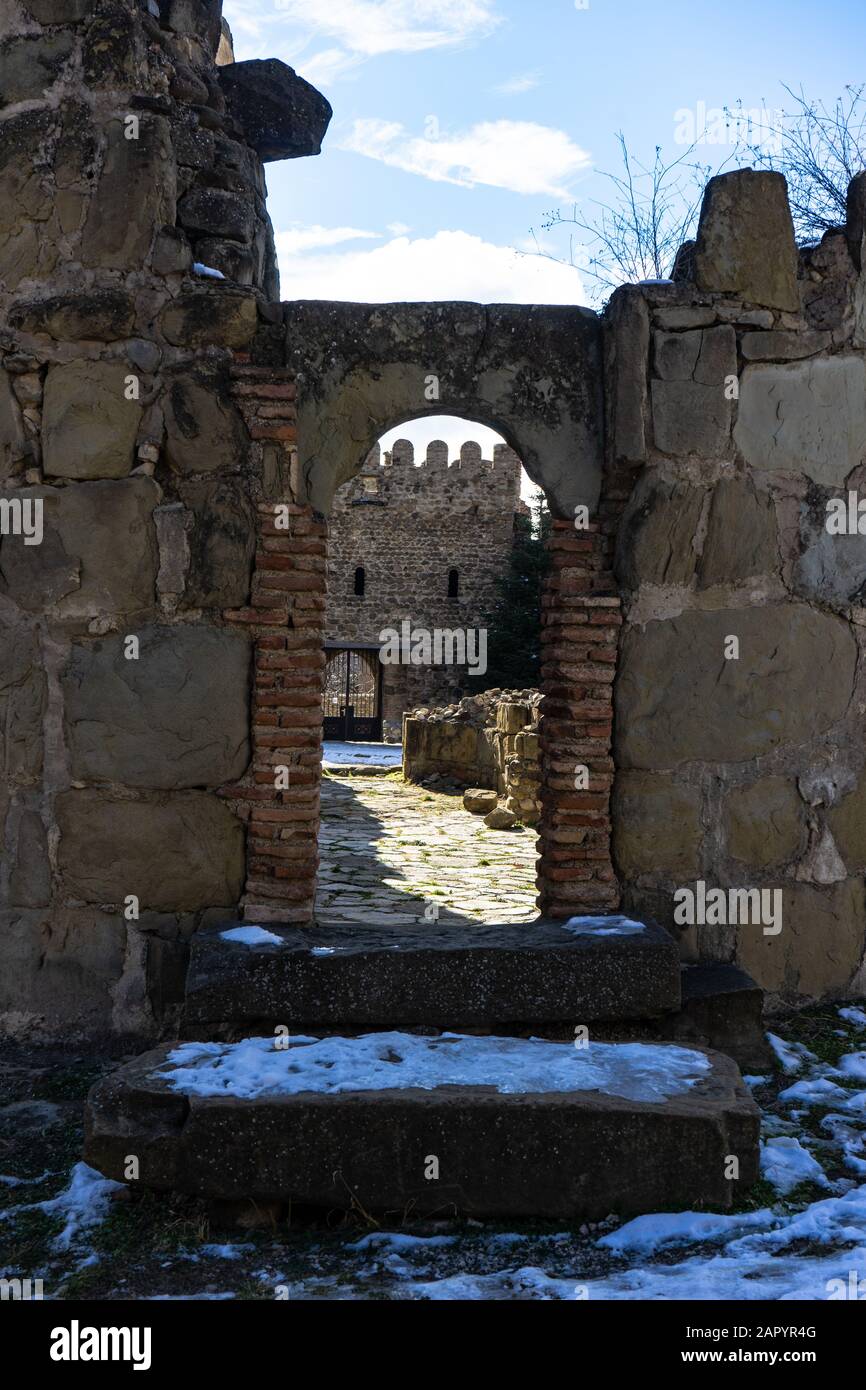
pixel 393 1061
pixel 792 1056
pixel 356 754
pixel 785 1163
pixel 855 1016
pixel 84 1203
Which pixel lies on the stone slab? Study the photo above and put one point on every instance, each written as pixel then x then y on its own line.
pixel 546 1153
pixel 358 976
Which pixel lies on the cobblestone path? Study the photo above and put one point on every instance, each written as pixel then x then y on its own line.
pixel 390 850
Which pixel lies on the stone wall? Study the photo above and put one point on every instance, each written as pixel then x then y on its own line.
pixel 132 408
pixel 737 410
pixel 488 741
pixel 408 526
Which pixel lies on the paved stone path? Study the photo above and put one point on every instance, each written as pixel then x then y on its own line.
pixel 391 851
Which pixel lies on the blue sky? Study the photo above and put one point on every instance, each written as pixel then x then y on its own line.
pixel 458 124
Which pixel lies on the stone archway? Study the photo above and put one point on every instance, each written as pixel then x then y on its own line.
pixel 536 377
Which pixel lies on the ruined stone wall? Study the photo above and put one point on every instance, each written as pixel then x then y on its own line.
pixel 737 410
pixel 132 409
pixel 408 526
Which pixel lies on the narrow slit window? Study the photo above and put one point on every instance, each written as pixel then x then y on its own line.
pixel 360 581
pixel 453 583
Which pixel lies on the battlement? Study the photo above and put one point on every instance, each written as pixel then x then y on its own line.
pixel 394 473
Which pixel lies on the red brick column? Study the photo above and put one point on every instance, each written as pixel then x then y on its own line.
pixel 580 631
pixel 286 619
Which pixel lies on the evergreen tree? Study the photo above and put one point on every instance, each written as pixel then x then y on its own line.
pixel 514 621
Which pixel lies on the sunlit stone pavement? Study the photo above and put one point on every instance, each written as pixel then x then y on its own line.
pixel 392 852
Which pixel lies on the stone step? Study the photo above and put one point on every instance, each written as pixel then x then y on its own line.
pixel 357 976
pixel 487 1126
pixel 722 1008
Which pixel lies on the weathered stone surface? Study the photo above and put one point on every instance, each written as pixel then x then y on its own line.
pixel 657 825
pixel 571 1154
pixel 58 11
pixel 793 679
pixel 236 262
pixel 479 801
pixel 539 370
pixel 500 818
pixel 177 852
pixel 22 703
pixel 177 717
pixel 222 543
pixel 26 247
pixel 217 213
pixel 848 823
pixel 855 221
pixel 204 430
pixel 98 554
pixel 689 418
pixel 807 417
pixel 685 318
pixel 818 951
pixel 382 977
pixel 197 18
pixel 742 538
pixel 11 428
pixel 172 254
pixel 215 317
pixel 135 194
pixel 29 66
pixel 764 824
pixel 59 971
pixel 657 536
pixel 626 357
pixel 281 115
pixel 89 427
pixel 101 314
pixel 30 879
pixel 746 240
pixel 783 345
pixel 706 357
pixel 831 569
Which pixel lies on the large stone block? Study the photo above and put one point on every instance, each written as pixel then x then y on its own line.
pixel 98 555
pixel 820 947
pixel 29 66
pixel 134 197
pixel 572 1153
pixel 222 543
pixel 58 11
pixel 281 115
pixel 11 428
pixel 627 335
pixel 204 430
pixel 27 249
pixel 215 212
pixel 30 878
pixel 690 418
pixel 199 19
pixel 656 542
pixel 678 699
pixel 89 427
pixel 101 314
pixel 215 317
pixel 831 569
pixel 745 243
pixel 764 823
pixel 177 717
pixel 176 852
pixel 804 417
pixel 22 703
pixel 657 825
pixel 60 971
pixel 742 539
pixel 848 825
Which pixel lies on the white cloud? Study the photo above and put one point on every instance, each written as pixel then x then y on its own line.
pixel 517 155
pixel 448 265
pixel 398 228
pixel 516 86
pixel 298 238
pixel 355 30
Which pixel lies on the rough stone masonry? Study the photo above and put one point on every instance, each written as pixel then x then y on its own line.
pixel 161 651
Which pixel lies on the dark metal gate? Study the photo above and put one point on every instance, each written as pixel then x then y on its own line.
pixel 353 691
